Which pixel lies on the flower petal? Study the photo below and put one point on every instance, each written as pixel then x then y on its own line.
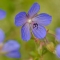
pixel 2 14
pixel 58 50
pixel 11 45
pixel 34 9
pixel 43 19
pixel 2 36
pixel 13 54
pixel 58 34
pixel 38 31
pixel 25 32
pixel 20 19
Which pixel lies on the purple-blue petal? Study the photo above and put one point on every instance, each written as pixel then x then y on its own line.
pixel 39 31
pixel 2 36
pixel 20 19
pixel 58 34
pixel 34 10
pixel 43 19
pixel 11 45
pixel 58 51
pixel 2 14
pixel 13 54
pixel 25 32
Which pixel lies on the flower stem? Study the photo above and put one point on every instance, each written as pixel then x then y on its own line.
pixel 46 41
pixel 49 32
pixel 36 40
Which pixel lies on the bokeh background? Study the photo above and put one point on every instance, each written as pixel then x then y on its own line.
pixel 12 7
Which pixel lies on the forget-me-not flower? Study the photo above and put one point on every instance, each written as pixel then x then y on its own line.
pixel 58 51
pixel 2 14
pixel 58 34
pixel 33 21
pixel 10 48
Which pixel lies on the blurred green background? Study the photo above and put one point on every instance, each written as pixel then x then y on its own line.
pixel 12 7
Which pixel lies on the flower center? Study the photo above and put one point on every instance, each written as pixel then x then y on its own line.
pixel 29 20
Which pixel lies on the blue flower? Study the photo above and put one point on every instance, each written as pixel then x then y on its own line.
pixel 2 14
pixel 10 48
pixel 33 21
pixel 58 34
pixel 58 51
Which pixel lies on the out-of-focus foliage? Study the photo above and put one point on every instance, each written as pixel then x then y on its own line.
pixel 12 7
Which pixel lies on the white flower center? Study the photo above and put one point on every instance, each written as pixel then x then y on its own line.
pixel 29 20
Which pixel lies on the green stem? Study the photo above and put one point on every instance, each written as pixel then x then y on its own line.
pixel 51 33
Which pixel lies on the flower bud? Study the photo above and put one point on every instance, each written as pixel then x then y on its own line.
pixel 50 47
